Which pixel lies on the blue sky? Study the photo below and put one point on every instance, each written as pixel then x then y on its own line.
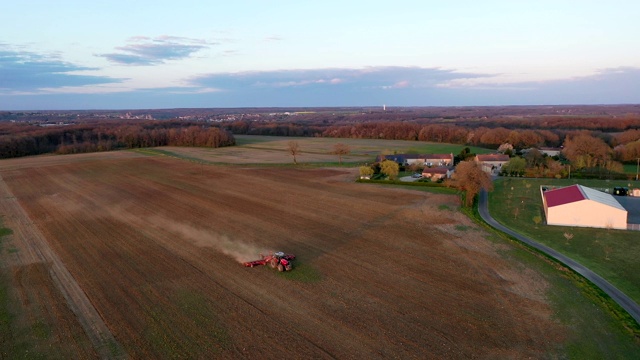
pixel 116 54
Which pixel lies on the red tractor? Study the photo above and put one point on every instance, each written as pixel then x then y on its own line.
pixel 278 260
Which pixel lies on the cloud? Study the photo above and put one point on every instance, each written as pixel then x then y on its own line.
pixel 143 50
pixel 606 86
pixel 24 72
pixel 331 87
pixel 273 38
pixel 394 86
pixel 385 77
pixel 414 86
pixel 398 85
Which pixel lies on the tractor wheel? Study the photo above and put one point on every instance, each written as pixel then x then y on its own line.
pixel 273 263
pixel 288 268
pixel 280 267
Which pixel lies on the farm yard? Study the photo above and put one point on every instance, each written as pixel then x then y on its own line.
pixel 156 243
pixel 613 254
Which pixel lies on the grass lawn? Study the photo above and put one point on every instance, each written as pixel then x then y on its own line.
pixel 595 333
pixel 613 254
pixel 631 169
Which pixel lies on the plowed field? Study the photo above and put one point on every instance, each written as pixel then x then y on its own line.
pixel 156 244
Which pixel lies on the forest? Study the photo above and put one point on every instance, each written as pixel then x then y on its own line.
pixel 23 139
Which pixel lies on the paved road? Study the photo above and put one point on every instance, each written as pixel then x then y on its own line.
pixel 618 296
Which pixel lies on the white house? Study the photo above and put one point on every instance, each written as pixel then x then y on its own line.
pixel 549 151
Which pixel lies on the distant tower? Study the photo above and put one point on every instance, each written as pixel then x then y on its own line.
pixel 384 107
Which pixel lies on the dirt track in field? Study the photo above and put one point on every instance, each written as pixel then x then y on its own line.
pixel 34 249
pixel 154 244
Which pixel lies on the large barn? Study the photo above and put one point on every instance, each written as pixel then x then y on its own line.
pixel 577 205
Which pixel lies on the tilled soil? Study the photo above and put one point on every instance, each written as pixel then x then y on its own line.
pixel 156 245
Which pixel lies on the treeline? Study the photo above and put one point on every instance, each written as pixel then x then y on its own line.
pixel 550 130
pixel 479 136
pixel 593 123
pixel 624 145
pixel 274 128
pixel 19 139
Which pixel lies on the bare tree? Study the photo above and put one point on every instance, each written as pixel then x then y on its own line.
pixel 341 149
pixel 568 236
pixel 294 149
pixel 470 178
pixel 537 219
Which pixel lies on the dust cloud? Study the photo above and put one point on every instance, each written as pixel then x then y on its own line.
pixel 239 250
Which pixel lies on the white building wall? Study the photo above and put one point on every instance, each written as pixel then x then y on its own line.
pixel 587 213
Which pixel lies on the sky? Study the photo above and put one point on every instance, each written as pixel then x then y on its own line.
pixel 73 55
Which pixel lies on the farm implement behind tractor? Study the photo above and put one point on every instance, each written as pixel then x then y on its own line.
pixel 278 260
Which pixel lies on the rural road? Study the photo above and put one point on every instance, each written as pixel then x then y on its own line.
pixel 618 296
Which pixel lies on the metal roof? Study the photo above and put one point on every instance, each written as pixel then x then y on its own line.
pixel 575 193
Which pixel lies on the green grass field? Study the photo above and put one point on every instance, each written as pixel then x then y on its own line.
pixel 613 254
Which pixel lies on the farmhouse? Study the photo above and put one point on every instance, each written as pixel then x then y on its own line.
pixel 437 173
pixel 577 205
pixel 550 151
pixel 492 163
pixel 422 159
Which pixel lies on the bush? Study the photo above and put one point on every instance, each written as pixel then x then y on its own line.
pixel 398 182
pixel 598 173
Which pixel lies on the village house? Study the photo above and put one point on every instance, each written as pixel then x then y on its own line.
pixel 421 159
pixel 549 151
pixel 492 163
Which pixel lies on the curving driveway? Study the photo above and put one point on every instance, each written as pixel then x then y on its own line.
pixel 618 296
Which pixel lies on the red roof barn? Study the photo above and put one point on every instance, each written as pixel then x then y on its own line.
pixel 578 205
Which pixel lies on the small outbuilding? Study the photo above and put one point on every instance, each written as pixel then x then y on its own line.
pixel 437 173
pixel 578 205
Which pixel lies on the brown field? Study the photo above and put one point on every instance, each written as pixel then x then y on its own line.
pixel 154 244
pixel 254 149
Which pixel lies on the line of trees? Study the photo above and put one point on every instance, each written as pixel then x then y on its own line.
pixel 426 125
pixel 18 139
pixel 454 134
